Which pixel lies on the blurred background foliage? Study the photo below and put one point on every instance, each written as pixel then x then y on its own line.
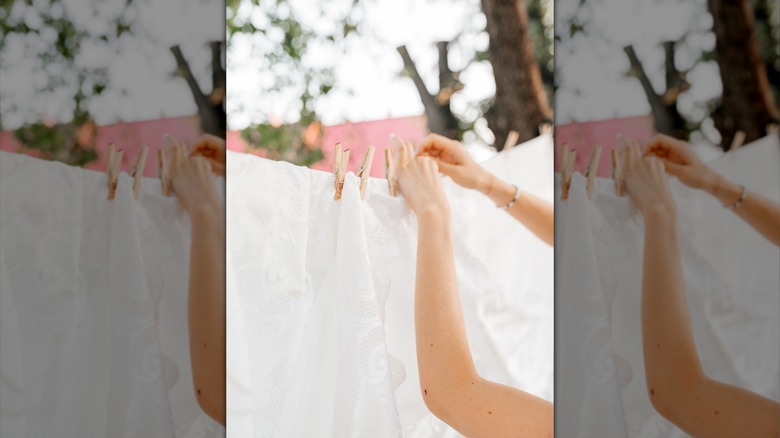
pixel 55 40
pixel 284 49
pixel 738 39
pixel 72 56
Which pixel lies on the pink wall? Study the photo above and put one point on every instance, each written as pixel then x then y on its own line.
pixel 584 137
pixel 356 137
pixel 130 137
pixel 7 142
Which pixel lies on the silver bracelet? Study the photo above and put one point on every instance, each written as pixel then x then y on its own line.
pixel 509 204
pixel 739 201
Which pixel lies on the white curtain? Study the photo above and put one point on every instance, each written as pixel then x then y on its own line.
pixel 732 286
pixel 93 307
pixel 320 299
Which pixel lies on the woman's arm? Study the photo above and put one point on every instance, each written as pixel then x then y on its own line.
pixel 676 383
pixel 762 214
pixel 193 185
pixel 206 311
pixel 451 387
pixel 531 211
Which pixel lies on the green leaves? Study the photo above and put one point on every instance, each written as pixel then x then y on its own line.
pixel 348 28
pixel 27 22
pixel 286 142
pixel 575 28
pixel 59 142
pixel 283 44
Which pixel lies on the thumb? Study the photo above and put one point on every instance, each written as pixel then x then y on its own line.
pixel 458 173
pixel 674 168
pixel 447 168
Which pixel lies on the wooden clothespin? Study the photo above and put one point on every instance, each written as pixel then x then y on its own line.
pixel 390 171
pixel 365 170
pixel 737 141
pixel 339 179
pixel 617 172
pixel 162 172
pixel 336 157
pixel 138 171
pixel 567 168
pixel 113 166
pixel 110 169
pixel 592 169
pixel 164 166
pixel 341 172
pixel 617 163
pixel 564 156
pixel 511 140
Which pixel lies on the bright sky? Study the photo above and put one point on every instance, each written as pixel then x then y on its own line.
pixel 143 68
pixel 369 86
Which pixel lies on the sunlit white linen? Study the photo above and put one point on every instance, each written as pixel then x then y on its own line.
pixel 93 302
pixel 320 299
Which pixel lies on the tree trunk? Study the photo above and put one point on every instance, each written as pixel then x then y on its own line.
pixel 211 109
pixel 769 41
pixel 747 103
pixel 520 103
pixel 437 107
pixel 666 118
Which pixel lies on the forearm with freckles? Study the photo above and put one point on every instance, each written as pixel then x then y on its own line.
pixel 533 212
pixel 206 309
pixel 451 387
pixel 676 383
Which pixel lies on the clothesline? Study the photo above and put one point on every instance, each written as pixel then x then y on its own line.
pixel 341 160
pixel 568 158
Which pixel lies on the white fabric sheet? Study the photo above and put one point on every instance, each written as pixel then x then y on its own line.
pixel 320 299
pixel 732 285
pixel 93 307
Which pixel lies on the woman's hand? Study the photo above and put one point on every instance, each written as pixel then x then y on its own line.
pixel 211 148
pixel 682 162
pixel 419 181
pixel 192 180
pixel 455 162
pixel 646 182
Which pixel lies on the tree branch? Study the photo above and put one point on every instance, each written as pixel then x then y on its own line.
pixel 676 82
pixel 638 69
pixel 427 99
pixel 666 118
pixel 449 82
pixel 184 70
pixel 437 107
